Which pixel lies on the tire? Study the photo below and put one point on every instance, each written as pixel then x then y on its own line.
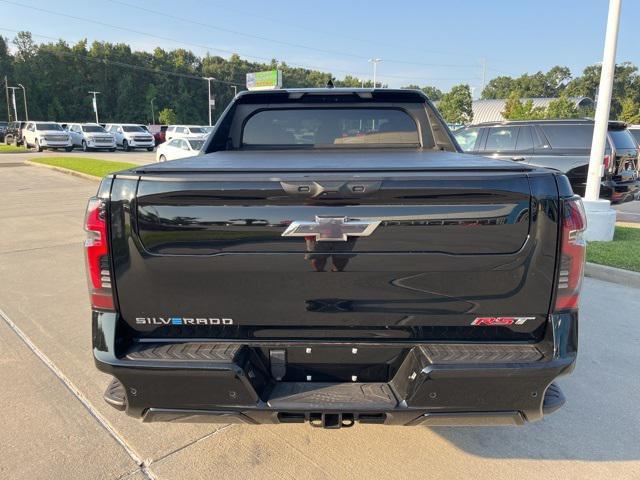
pixel 85 148
pixel 125 146
pixel 68 149
pixel 162 158
pixel 112 149
pixel 38 146
pixel 150 149
pixel 24 143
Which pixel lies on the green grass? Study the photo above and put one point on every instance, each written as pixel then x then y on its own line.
pixel 12 149
pixel 89 166
pixel 623 252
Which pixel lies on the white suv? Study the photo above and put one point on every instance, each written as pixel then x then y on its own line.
pixel 185 131
pixel 131 135
pixel 90 136
pixel 41 135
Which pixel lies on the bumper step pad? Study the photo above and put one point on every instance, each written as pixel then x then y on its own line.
pixel 115 395
pixel 186 352
pixel 461 353
pixel 349 397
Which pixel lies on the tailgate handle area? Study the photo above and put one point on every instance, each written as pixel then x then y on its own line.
pixel 331 189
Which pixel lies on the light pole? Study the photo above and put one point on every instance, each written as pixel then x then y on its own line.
pixel 13 100
pixel 95 104
pixel 600 216
pixel 603 106
pixel 153 113
pixel 375 62
pixel 208 79
pixel 24 95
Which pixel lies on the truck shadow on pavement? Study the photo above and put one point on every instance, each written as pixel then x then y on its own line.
pixel 583 429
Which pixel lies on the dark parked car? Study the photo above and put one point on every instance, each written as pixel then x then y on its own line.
pixel 13 133
pixel 331 257
pixel 3 129
pixel 563 145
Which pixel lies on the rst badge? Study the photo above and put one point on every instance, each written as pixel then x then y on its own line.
pixel 500 321
pixel 183 321
pixel 331 229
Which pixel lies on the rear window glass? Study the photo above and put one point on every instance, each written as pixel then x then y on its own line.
pixel 622 139
pixel 196 144
pixel 568 136
pixel 330 127
pixel 197 130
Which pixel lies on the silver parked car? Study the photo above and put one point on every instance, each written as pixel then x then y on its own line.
pixel 91 136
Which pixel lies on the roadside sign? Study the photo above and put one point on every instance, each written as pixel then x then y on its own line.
pixel 212 102
pixel 268 80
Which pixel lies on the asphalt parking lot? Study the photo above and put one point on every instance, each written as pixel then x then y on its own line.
pixel 56 425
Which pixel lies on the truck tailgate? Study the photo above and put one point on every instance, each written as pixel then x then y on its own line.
pixel 314 255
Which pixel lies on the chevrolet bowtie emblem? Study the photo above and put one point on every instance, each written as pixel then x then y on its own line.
pixel 331 229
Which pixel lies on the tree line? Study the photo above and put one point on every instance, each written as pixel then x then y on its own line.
pixel 58 77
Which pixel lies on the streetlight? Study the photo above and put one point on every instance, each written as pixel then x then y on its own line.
pixel 153 113
pixel 375 62
pixel 24 94
pixel 208 79
pixel 95 104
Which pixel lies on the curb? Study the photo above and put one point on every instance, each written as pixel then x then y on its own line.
pixel 612 274
pixel 628 224
pixel 64 170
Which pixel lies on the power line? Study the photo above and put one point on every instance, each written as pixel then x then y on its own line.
pixel 306 28
pixel 208 47
pixel 282 42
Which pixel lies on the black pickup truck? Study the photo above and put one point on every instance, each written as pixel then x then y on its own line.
pixel 332 257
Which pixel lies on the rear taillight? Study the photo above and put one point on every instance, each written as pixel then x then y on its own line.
pixel 97 255
pixel 606 162
pixel 572 254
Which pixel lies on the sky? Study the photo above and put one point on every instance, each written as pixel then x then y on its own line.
pixel 439 43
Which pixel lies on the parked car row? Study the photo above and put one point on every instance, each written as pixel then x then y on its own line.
pixel 93 136
pixel 563 145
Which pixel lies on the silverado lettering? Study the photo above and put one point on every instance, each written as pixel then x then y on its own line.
pixel 376 269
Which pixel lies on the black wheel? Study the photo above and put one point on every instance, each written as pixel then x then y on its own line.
pixel 125 146
pixel 68 149
pixel 24 144
pixel 38 146
pixel 112 149
pixel 150 149
pixel 162 158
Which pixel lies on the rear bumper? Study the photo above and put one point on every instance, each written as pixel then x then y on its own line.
pixel 620 192
pixel 229 383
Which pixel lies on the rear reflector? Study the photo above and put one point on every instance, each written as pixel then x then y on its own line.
pixel 97 255
pixel 572 254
